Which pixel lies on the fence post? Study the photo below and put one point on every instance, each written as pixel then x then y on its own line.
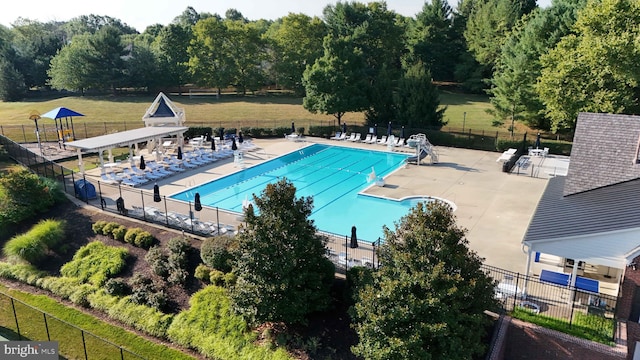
pixel 46 326
pixel 44 130
pixel 15 317
pixel 85 131
pixel 84 346
pixel 144 213
pixel 24 135
pixel 2 129
pixel 102 202
pixel 515 292
pixel 86 192
pixel 105 127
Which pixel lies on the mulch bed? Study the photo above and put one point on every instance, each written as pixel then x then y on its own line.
pixel 331 329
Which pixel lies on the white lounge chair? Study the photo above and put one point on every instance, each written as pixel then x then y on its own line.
pixel 399 142
pixel 383 140
pixel 373 140
pixel 337 136
pixel 367 139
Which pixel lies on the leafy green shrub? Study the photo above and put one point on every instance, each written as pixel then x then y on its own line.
pixel 117 287
pixel 211 327
pixel 25 247
pixel 179 249
pixel 95 263
pixel 130 236
pixel 144 239
pixel 146 292
pixel 50 232
pixel 107 230
pixel 230 279
pixel 217 252
pixel 68 288
pixel 141 317
pixel 33 245
pixel 25 273
pixel 158 261
pixel 216 277
pixel 202 273
pixel 97 226
pixel 80 295
pixel 119 232
pixel 23 195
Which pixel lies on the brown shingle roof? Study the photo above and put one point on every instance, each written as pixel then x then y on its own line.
pixel 603 153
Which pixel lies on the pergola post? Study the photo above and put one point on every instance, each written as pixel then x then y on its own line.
pixel 110 156
pixel 80 163
pixel 131 153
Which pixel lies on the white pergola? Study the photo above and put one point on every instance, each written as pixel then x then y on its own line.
pixel 125 138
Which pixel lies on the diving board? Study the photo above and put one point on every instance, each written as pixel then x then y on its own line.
pixel 563 279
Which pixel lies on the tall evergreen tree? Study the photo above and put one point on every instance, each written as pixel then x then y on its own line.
pixel 428 299
pixel 513 83
pixel 433 40
pixel 418 99
pixel 282 272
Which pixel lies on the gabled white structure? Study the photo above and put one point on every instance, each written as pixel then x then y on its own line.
pixel 163 112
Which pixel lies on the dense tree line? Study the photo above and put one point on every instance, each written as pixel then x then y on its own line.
pixel 357 57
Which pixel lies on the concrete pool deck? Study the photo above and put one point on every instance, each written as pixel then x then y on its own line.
pixel 495 207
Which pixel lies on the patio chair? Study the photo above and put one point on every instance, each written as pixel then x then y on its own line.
pixel 373 140
pixel 336 136
pixel 383 140
pixel 351 137
pixel 367 139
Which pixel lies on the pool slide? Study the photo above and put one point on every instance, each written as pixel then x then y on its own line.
pixel 414 159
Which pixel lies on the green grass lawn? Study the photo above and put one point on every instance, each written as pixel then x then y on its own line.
pixel 272 110
pixel 33 327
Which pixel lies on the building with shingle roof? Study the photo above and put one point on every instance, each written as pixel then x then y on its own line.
pixel 592 215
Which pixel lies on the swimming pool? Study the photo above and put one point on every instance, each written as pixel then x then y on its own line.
pixel 335 176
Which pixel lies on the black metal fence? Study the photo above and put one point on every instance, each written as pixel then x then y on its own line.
pixel 445 136
pixel 20 321
pixel 565 303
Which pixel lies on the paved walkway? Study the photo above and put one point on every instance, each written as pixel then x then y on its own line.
pixel 493 206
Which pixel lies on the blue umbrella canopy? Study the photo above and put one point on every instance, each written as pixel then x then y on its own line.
pixel 60 112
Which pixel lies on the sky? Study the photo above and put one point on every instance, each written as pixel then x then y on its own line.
pixel 142 13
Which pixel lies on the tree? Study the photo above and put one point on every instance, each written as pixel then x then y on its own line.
pixel 245 54
pixel 360 63
pixel 12 86
pixel 596 69
pixel 70 68
pixel 106 58
pixel 513 83
pixel 35 45
pixel 188 18
pixel 173 43
pixel 209 61
pixel 142 70
pixel 334 84
pixel 433 40
pixel 489 24
pixel 296 41
pixel 282 272
pixel 428 299
pixel 418 99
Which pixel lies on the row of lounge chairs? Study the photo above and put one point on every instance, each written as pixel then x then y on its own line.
pixel 182 221
pixel 370 139
pixel 134 176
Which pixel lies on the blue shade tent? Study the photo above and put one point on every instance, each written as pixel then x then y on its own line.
pixel 62 113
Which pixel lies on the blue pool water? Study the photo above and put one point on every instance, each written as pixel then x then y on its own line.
pixel 333 175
